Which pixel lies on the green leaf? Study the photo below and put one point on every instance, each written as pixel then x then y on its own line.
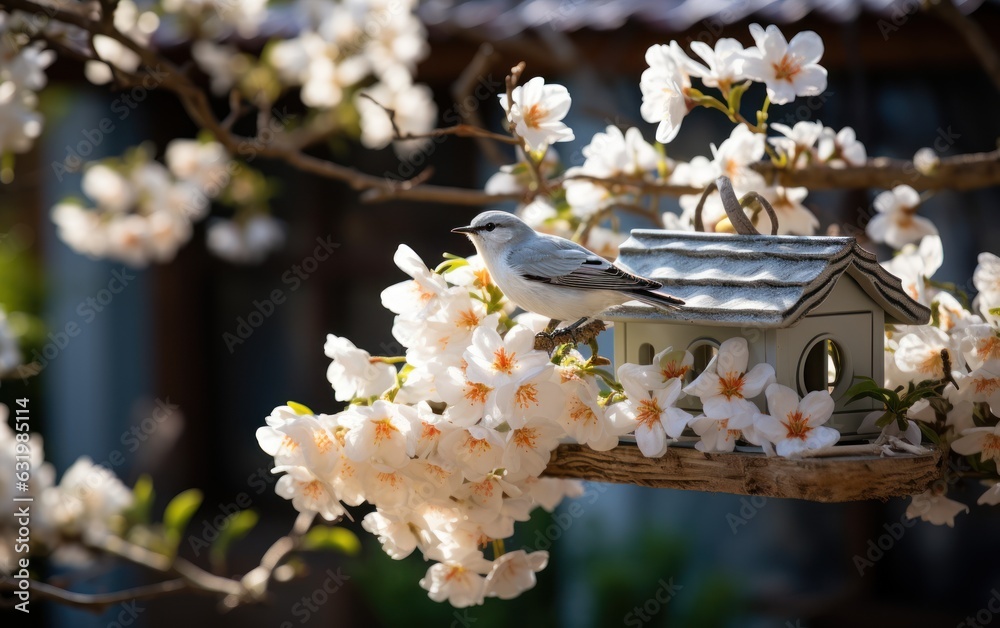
pixel 299 408
pixel 236 526
pixel 929 432
pixel 877 395
pixel 142 501
pixel 865 384
pixel 450 264
pixel 330 538
pixel 177 514
pixel 885 419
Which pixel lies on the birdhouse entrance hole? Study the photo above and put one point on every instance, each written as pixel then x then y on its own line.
pixel 703 351
pixel 824 366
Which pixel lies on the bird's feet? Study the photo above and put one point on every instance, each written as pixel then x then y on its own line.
pixel 574 334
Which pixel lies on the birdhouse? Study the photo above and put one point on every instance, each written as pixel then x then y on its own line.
pixel 814 308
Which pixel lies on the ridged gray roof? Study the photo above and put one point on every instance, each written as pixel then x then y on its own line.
pixel 756 280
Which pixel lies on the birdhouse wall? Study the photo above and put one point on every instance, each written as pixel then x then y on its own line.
pixel 637 342
pixel 840 339
pixel 849 328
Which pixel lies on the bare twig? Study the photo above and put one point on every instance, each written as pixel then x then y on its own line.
pixel 97 602
pixel 196 576
pixel 462 91
pixel 962 172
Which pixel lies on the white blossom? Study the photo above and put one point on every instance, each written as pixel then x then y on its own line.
pixel 664 86
pixel 934 507
pixel 246 242
pixel 513 573
pixel 838 148
pixel 789 69
pixel 651 414
pixel 536 112
pixel 722 67
pixel 353 373
pixel 896 222
pixel 794 425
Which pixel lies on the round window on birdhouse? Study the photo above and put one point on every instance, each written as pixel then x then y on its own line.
pixel 646 353
pixel 703 350
pixel 824 365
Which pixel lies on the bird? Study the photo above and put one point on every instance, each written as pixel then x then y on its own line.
pixel 553 276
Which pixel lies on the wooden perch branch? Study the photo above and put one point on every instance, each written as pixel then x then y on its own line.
pixel 815 479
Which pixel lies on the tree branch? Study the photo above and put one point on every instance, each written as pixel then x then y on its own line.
pixel 97 602
pixel 962 172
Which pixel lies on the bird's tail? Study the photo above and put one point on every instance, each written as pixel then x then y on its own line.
pixel 658 299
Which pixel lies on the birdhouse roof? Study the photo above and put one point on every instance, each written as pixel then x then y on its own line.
pixel 755 280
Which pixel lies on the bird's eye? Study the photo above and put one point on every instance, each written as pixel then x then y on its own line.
pixel 489 226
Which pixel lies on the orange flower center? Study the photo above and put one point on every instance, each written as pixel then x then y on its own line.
pixel 731 385
pixel 322 441
pixel 797 425
pixel 429 431
pixel 504 362
pixel 455 571
pixel 991 447
pixel 392 480
pixel 526 437
pixel 484 488
pixel 649 412
pixel 467 319
pixel 724 424
pixel 526 395
pixel 313 490
pixel 383 430
pixel 933 364
pixel 534 116
pixel 476 392
pixel 477 445
pixel 786 69
pixel 482 277
pixel 986 385
pixel 579 411
pixel 989 348
pixel 674 369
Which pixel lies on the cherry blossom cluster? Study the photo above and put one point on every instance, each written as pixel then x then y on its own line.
pixel 352 63
pixel 22 74
pixel 725 390
pixel 961 346
pixel 449 448
pixel 617 162
pixel 143 210
pixel 85 506
pixel 362 54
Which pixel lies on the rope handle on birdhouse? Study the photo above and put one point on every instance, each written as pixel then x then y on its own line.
pixel 734 208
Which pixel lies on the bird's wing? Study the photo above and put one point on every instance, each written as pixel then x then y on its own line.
pixel 560 262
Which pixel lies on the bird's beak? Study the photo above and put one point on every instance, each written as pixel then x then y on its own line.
pixel 466 230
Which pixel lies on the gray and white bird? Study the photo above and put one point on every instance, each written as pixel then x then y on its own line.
pixel 553 276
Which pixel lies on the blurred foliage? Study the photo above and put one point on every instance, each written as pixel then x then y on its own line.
pixel 381 578
pixel 618 579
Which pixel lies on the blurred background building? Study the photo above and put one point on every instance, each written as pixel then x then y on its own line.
pixel 902 77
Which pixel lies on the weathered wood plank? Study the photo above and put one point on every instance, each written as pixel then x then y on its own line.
pixel 843 479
